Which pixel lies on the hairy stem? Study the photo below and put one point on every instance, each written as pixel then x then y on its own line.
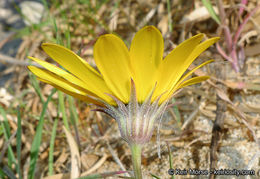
pixel 136 159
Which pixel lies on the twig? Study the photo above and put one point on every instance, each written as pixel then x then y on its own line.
pixel 6 39
pixel 190 118
pixel 115 157
pixel 218 123
pixel 148 17
pixel 96 166
pixel 14 61
pixel 222 16
pixel 223 53
pixel 241 27
pixel 194 141
pixel 222 94
pixel 242 8
pixel 6 145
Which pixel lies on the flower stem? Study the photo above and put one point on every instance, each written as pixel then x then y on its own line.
pixel 136 159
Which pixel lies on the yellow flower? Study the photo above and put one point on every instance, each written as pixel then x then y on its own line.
pixel 117 65
pixel 132 86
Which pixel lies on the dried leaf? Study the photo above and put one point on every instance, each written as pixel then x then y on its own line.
pixel 75 156
pixel 198 14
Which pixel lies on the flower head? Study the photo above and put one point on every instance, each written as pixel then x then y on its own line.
pixel 128 80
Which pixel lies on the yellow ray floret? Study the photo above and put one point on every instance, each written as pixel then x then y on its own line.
pixel 146 53
pixel 175 62
pixel 117 65
pixel 75 65
pixel 112 59
pixel 85 98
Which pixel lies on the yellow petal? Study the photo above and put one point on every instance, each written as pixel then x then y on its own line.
pixel 146 53
pixel 46 75
pixel 60 72
pixel 76 65
pixel 193 70
pixel 188 82
pixel 76 95
pixel 193 81
pixel 201 48
pixel 180 83
pixel 113 61
pixel 195 53
pixel 64 85
pixel 181 66
pixel 175 62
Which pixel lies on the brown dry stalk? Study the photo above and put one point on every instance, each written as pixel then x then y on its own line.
pixel 13 61
pixel 219 121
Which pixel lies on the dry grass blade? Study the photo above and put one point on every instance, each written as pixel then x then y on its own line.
pixel 75 156
pixel 224 97
pixel 221 99
pixel 6 145
pixel 96 166
pixel 147 17
pixel 13 61
pixel 190 118
pixel 115 157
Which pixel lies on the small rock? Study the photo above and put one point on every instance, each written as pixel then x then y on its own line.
pixel 33 12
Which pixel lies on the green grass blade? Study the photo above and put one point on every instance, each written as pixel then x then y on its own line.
pixel 97 176
pixel 169 15
pixel 53 135
pixel 8 172
pixel 74 118
pixel 154 176
pixel 102 175
pixel 58 37
pixel 176 113
pixel 19 142
pixel 62 109
pixel 1 173
pixel 67 36
pixel 1 130
pixel 37 139
pixel 73 110
pixel 7 134
pixel 5 122
pixel 211 11
pixel 170 158
pixel 36 86
pixel 91 177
